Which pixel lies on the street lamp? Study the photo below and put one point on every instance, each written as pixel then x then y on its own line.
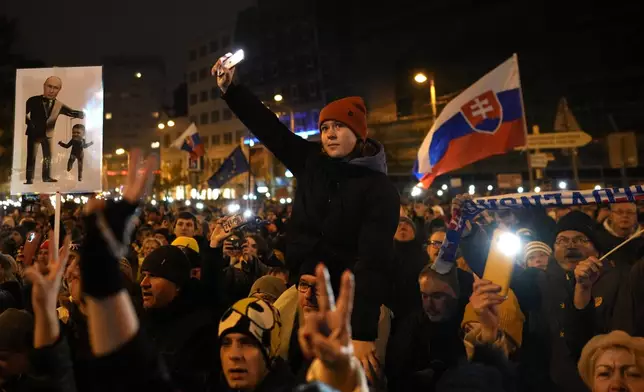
pixel 121 151
pixel 155 145
pixel 161 125
pixel 279 98
pixel 421 78
pixel 170 123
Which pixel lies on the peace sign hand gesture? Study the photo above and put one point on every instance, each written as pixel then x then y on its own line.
pixel 326 334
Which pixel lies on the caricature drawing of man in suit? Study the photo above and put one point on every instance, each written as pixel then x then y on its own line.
pixel 41 115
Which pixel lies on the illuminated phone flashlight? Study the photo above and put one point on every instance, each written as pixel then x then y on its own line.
pixel 509 244
pixel 233 59
pixel 500 259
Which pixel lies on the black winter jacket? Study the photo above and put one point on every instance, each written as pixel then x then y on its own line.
pixel 345 213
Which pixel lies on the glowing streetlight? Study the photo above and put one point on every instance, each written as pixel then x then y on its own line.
pixel 155 145
pixel 161 126
pixel 420 78
pixel 439 193
pixel 120 151
pixel 171 123
pixel 444 187
pixel 537 189
pixel 598 187
pixel 562 185
pixel 520 189
pixel 278 98
pixel 416 191
pixel 490 187
pixel 138 75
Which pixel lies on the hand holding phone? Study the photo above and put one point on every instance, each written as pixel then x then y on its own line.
pixel 500 259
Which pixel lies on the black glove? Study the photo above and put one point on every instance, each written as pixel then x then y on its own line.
pixel 108 236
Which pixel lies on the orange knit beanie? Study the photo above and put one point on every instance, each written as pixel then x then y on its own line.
pixel 350 111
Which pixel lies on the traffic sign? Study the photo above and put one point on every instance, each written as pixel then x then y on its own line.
pixel 539 160
pixel 558 140
pixel 509 180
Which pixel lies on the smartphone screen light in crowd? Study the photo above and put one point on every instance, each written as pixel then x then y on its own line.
pixel 509 244
pixel 248 213
pixel 234 207
pixel 199 206
pixel 188 203
pixel 416 191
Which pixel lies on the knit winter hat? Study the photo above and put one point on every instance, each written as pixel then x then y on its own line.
pixel 16 330
pixel 350 111
pixel 598 344
pixel 270 285
pixel 187 242
pixel 535 246
pixel 168 262
pixel 578 221
pixel 404 219
pixel 255 318
pixel 510 318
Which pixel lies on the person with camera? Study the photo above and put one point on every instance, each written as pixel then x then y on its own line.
pixel 346 210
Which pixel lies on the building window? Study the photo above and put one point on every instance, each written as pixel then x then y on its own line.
pixel 214 93
pixel 228 115
pixel 214 116
pixel 192 55
pixel 216 140
pixel 108 116
pixel 193 119
pixel 203 96
pixel 214 46
pixel 193 77
pixel 166 140
pixel 202 50
pixel 225 41
pixel 228 138
pixel 203 119
pixel 155 114
pixel 203 73
pixel 193 99
pixel 240 134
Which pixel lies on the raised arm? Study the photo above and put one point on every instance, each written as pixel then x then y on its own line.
pixel 85 145
pixel 289 148
pixel 67 111
pixel 65 145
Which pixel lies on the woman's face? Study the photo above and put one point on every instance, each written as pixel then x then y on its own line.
pixel 617 369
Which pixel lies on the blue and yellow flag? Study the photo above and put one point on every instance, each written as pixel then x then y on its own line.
pixel 235 164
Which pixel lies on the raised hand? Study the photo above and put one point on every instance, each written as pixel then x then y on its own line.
pixel 218 234
pixel 223 74
pixel 326 334
pixel 485 300
pixel 45 287
pixel 587 272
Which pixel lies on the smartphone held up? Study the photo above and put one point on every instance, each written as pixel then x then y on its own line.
pixel 230 60
pixel 504 248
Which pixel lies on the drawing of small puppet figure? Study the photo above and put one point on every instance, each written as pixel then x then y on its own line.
pixel 77 143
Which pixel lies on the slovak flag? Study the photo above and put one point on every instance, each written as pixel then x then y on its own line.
pixel 191 142
pixel 484 120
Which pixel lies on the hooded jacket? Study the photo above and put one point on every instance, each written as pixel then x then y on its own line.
pixel 345 213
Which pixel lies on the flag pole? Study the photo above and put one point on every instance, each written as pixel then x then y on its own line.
pixel 525 127
pixel 250 146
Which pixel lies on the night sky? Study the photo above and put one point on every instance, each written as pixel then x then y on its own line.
pixel 70 32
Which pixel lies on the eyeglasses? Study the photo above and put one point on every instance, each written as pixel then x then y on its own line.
pixel 304 287
pixel 565 241
pixel 436 244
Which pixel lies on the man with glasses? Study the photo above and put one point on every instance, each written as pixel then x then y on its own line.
pixel 620 225
pixel 292 305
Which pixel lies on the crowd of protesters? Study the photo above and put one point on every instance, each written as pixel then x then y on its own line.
pixel 334 293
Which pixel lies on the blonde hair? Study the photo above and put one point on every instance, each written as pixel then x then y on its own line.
pixel 600 343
